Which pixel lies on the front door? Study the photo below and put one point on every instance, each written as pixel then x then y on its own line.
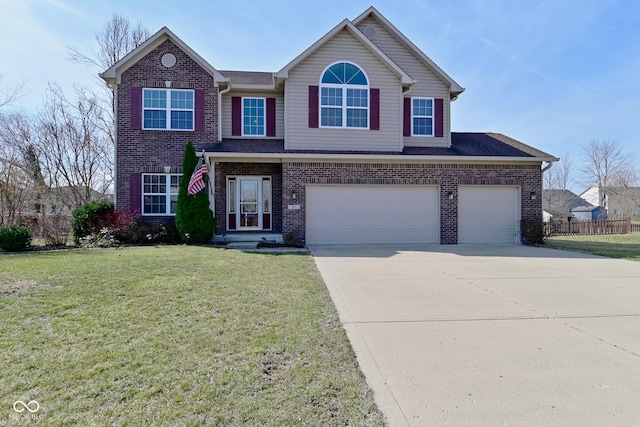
pixel 249 203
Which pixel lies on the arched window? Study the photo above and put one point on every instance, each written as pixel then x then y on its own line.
pixel 344 96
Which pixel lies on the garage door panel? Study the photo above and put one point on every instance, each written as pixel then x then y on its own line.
pixel 352 214
pixel 488 214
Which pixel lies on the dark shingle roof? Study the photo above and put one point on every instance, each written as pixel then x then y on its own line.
pixel 462 144
pixel 248 77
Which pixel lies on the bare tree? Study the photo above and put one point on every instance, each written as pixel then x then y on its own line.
pixel 116 39
pixel 559 178
pixel 74 146
pixel 16 185
pixel 9 94
pixel 607 165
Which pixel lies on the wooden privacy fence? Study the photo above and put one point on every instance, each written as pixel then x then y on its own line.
pixel 605 226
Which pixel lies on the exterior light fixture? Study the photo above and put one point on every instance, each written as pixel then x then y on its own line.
pixel 450 195
pixel 533 195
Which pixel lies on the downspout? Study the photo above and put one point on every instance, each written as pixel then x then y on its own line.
pixel 220 93
pixel 549 164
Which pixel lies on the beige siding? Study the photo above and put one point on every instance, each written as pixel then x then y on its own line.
pixel 343 47
pixel 428 83
pixel 226 110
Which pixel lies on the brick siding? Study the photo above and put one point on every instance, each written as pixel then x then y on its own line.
pixel 149 151
pixel 296 175
pixel 222 170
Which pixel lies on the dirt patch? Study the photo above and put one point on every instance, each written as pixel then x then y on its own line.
pixel 10 287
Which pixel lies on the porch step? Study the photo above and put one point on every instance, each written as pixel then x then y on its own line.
pixel 247 238
pixel 243 246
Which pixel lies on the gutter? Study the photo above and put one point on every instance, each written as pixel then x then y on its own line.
pixel 220 93
pixel 549 164
pixel 379 157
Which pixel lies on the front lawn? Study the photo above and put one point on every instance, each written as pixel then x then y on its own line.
pixel 175 335
pixel 611 245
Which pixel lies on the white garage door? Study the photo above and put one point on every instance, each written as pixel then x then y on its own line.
pixel 352 214
pixel 488 214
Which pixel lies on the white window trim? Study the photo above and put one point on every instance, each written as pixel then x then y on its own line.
pixel 167 194
pixel 432 117
pixel 264 103
pixel 344 106
pixel 168 109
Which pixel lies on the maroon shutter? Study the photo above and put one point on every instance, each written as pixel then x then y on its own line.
pixel 313 106
pixel 199 114
pixel 135 108
pixel 406 128
pixel 375 109
pixel 439 117
pixel 236 116
pixel 135 193
pixel 271 117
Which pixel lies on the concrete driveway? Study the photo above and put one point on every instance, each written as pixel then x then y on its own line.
pixel 491 335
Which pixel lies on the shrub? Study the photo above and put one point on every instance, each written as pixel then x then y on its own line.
pixel 91 218
pixel 194 220
pixel 14 238
pixel 55 229
pixel 139 232
pixel 532 232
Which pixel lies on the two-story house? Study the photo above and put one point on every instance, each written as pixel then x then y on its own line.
pixel 350 142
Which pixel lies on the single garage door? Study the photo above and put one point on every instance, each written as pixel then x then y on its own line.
pixel 354 214
pixel 488 214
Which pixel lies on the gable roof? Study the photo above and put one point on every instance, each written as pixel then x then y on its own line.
pixel 113 74
pixel 553 198
pixel 454 88
pixel 347 25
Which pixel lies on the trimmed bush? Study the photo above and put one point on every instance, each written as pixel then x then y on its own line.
pixel 532 232
pixel 194 220
pixel 91 218
pixel 14 238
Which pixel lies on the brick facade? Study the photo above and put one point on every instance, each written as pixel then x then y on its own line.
pixel 223 170
pixel 448 176
pixel 149 151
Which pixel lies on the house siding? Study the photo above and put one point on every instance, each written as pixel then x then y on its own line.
pixel 343 47
pixel 296 175
pixel 428 84
pixel 227 114
pixel 149 151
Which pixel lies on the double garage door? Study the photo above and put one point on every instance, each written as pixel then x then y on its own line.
pixel 364 214
pixel 352 214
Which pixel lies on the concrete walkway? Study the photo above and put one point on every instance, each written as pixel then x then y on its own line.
pixel 491 335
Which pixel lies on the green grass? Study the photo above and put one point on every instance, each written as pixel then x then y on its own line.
pixel 613 245
pixel 175 335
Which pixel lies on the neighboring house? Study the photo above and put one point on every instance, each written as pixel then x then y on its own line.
pixel 618 201
pixel 350 142
pixel 589 213
pixel 562 199
pixel 557 214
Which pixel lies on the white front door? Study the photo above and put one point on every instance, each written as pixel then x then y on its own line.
pixel 249 203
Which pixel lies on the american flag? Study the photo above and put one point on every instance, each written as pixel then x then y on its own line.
pixel 196 183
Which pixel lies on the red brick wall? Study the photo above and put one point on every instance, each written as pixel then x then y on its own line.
pixel 222 170
pixel 148 151
pixel 447 176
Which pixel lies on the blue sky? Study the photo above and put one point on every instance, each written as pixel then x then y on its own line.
pixel 554 74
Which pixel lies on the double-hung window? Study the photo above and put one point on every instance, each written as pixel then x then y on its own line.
pixel 168 109
pixel 344 97
pixel 422 116
pixel 160 194
pixel 253 116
